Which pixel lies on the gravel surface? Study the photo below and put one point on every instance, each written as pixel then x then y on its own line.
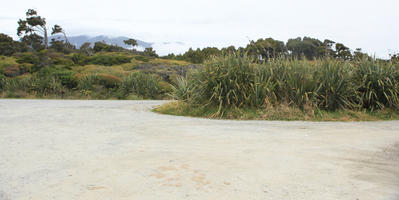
pixel 120 150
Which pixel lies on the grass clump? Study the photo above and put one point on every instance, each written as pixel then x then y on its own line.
pixel 235 86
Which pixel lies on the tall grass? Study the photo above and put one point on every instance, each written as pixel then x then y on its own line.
pixel 235 81
pixel 144 85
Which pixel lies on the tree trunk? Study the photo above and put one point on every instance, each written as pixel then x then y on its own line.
pixel 66 38
pixel 45 38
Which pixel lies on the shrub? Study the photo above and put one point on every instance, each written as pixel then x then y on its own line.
pixel 142 58
pixel 336 88
pixel 227 81
pixel 2 79
pixel 87 82
pixel 67 78
pixel 235 81
pixel 27 57
pixel 60 59
pixel 79 59
pixel 12 70
pixel 141 84
pixel 108 80
pixel 378 84
pixel 21 83
pixel 108 60
pixel 182 89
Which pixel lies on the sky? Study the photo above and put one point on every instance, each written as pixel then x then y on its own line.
pixel 368 24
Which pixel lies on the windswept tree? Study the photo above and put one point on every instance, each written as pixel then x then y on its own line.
pixel 57 29
pixel 326 49
pixel 34 28
pixel 61 45
pixel 343 52
pixel 86 49
pixel 131 42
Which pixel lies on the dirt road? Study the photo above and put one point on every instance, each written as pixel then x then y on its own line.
pixel 120 150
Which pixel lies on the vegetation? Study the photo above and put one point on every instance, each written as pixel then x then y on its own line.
pixel 302 79
pixel 305 89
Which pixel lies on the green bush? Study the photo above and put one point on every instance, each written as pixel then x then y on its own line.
pixel 11 70
pixel 141 84
pixel 60 59
pixel 378 84
pixel 182 89
pixel 2 79
pixel 142 58
pixel 17 84
pixel 27 57
pixel 79 59
pixel 87 82
pixel 330 84
pixel 108 60
pixel 67 78
pixel 336 87
pixel 108 80
pixel 227 81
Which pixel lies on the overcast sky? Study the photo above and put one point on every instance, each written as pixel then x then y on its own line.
pixel 369 24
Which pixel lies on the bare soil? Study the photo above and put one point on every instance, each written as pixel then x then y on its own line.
pixel 120 150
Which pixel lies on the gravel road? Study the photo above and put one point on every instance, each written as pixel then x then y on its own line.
pixel 120 150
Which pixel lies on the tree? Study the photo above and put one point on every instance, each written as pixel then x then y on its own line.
pixel 327 48
pixel 150 52
pixel 86 49
pixel 131 42
pixel 58 30
pixel 34 28
pixel 308 47
pixel 102 46
pixel 358 54
pixel 343 52
pixel 7 45
pixel 61 46
pixel 32 42
pixel 264 49
pixel 394 57
pixel 33 25
pixel 228 50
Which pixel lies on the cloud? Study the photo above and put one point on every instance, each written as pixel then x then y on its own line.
pixel 368 24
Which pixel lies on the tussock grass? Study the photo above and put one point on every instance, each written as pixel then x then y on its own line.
pixel 295 89
pixel 278 113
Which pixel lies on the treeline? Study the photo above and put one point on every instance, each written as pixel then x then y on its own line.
pixel 264 49
pixel 34 37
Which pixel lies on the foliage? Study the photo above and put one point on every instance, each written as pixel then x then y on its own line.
pixel 131 42
pixel 141 84
pixel 108 59
pixel 235 81
pixel 103 47
pixel 108 80
pixel 280 112
pixel 150 52
pixel 378 84
pixel 11 70
pixel 7 45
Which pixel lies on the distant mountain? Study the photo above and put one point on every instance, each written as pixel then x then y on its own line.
pixel 81 39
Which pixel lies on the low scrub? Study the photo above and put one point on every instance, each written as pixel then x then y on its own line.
pixel 145 85
pixel 236 81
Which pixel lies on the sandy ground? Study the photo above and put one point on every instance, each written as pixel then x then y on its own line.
pixel 119 150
